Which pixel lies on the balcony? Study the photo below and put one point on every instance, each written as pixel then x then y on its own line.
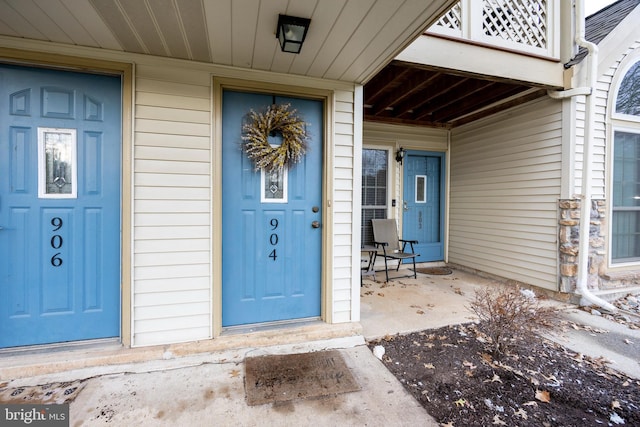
pixel 526 26
pixel 481 57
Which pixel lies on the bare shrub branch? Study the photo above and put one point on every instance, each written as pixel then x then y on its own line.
pixel 511 316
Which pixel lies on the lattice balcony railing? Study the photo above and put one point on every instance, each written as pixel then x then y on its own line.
pixel 452 20
pixel 526 25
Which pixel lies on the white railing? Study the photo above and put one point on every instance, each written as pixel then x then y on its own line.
pixel 525 25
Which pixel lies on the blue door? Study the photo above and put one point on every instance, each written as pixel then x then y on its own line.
pixel 271 223
pixel 423 217
pixel 60 145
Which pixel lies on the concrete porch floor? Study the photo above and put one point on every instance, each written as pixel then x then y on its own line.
pixel 406 305
pixel 176 387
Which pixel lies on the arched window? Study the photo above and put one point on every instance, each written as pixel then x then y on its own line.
pixel 625 224
pixel 628 101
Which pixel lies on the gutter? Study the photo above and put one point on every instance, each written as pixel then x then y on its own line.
pixel 582 287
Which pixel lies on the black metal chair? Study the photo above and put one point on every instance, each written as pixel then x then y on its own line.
pixel 385 236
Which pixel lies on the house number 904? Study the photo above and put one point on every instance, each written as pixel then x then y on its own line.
pixel 56 241
pixel 273 238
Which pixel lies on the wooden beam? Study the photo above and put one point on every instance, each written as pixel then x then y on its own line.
pixel 497 108
pixel 415 83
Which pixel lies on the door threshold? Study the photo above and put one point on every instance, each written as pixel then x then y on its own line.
pixel 269 326
pixel 97 344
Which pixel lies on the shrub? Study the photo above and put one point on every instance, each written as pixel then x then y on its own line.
pixel 511 316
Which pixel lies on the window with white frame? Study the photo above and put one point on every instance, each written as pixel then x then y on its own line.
pixel 625 205
pixel 375 174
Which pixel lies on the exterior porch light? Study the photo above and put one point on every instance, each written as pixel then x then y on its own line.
pixel 291 32
pixel 400 155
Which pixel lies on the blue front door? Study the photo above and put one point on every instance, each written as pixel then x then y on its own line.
pixel 60 146
pixel 423 203
pixel 271 223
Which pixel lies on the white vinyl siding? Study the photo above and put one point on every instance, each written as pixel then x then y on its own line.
pixel 343 193
pixel 505 184
pixel 599 140
pixel 172 207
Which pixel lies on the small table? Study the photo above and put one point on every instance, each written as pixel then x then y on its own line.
pixel 368 255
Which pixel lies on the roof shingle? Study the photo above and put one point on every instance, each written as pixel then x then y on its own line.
pixel 600 24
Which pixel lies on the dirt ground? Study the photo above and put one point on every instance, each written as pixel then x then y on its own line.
pixel 451 373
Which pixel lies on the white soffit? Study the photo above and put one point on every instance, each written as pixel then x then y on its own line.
pixel 348 40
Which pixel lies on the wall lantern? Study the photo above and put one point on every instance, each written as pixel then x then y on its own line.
pixel 292 32
pixel 400 155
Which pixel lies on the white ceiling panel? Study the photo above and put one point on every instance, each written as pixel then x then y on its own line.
pixel 375 20
pixel 244 20
pixel 329 12
pixel 64 19
pixel 347 40
pixel 217 15
pixel 264 49
pixel 19 23
pixel 89 20
pixel 346 23
pixel 6 30
pixel 38 18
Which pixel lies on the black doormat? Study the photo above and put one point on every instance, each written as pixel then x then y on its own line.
pixel 278 378
pixel 435 271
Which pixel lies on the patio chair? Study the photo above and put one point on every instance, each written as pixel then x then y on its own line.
pixel 385 236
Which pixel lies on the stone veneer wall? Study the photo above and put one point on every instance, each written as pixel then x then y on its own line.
pixel 569 233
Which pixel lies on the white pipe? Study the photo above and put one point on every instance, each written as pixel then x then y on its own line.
pixel 562 94
pixel 587 159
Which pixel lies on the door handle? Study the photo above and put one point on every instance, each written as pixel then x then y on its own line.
pixel 315 224
pixel 405 206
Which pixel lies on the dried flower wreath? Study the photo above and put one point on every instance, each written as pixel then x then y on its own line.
pixel 276 118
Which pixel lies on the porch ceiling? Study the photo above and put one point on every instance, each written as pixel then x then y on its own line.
pixel 347 40
pixel 415 94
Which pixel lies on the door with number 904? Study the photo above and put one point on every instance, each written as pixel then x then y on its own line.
pixel 271 234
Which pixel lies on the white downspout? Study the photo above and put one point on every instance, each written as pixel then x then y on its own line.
pixel 587 158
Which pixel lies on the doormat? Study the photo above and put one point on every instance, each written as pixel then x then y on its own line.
pixel 54 393
pixel 279 378
pixel 435 271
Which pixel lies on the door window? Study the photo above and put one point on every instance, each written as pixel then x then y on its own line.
pixel 274 186
pixel 421 189
pixel 57 163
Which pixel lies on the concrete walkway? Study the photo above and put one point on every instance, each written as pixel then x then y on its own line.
pixel 213 394
pixel 208 388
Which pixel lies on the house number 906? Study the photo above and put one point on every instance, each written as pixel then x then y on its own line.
pixel 273 238
pixel 56 241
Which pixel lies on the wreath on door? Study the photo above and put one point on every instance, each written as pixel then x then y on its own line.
pixel 276 119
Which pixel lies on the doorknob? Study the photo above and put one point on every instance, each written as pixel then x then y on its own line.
pixel 315 224
pixel 405 206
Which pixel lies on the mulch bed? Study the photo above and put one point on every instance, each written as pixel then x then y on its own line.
pixel 540 383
